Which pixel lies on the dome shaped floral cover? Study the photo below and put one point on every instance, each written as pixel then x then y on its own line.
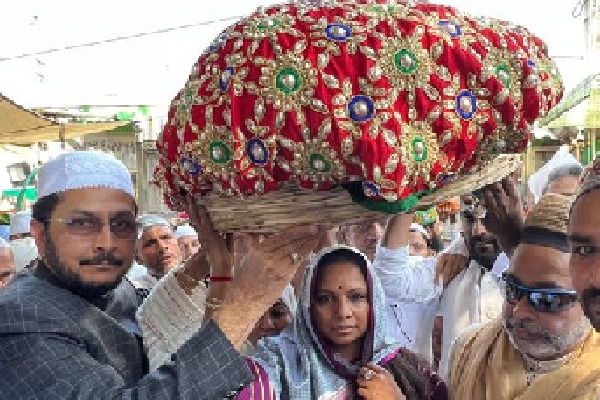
pixel 399 100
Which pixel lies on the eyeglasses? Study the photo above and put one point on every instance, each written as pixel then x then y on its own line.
pixel 544 300
pixel 89 226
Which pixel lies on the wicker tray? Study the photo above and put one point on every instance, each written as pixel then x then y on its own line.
pixel 290 207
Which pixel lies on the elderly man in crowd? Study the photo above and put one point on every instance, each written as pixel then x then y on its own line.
pixel 7 263
pixel 62 333
pixel 364 237
pixel 156 250
pixel 419 241
pixel 543 346
pixel 564 179
pixel 188 241
pixel 23 245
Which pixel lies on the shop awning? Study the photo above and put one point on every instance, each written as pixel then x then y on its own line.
pixel 21 126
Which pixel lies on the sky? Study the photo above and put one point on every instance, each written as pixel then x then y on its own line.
pixel 151 69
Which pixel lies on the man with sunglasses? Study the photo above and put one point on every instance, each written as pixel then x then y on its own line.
pixel 540 348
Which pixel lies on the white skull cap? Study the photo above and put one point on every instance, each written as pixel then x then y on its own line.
pixel 19 222
pixel 185 230
pixel 83 169
pixel 419 228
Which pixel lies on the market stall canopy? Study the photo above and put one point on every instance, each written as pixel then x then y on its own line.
pixel 21 126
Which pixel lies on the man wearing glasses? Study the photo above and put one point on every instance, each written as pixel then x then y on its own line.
pixel 67 324
pixel 539 348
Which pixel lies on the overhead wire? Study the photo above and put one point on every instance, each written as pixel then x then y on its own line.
pixel 117 39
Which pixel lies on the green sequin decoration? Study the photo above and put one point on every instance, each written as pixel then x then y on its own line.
pixel 288 80
pixel 268 24
pixel 419 149
pixel 383 9
pixel 406 61
pixel 319 163
pixel 219 152
pixel 503 75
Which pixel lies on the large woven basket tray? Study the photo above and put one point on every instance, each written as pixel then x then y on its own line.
pixel 290 207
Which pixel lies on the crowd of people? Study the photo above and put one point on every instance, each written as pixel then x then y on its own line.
pixel 508 309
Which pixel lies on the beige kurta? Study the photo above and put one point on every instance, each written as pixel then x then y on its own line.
pixel 486 366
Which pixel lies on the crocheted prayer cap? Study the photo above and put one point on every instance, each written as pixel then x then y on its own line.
pixel 185 230
pixel 402 99
pixel 547 224
pixel 415 227
pixel 147 221
pixel 83 169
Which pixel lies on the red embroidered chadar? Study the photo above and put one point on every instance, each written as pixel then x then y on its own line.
pixel 389 100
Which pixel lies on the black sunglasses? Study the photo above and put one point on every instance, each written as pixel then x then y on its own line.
pixel 545 300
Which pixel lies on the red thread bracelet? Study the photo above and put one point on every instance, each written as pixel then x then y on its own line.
pixel 220 279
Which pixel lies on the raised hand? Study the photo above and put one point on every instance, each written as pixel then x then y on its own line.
pixel 261 277
pixel 505 216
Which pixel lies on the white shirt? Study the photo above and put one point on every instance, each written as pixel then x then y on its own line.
pixel 472 297
pixel 412 297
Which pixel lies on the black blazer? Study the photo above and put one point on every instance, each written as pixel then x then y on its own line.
pixel 56 345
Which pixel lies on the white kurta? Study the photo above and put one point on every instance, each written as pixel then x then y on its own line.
pixel 413 298
pixel 169 317
pixel 472 297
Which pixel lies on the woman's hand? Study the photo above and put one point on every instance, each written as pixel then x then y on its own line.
pixel 376 383
pixel 261 277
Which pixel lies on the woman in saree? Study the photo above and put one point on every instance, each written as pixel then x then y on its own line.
pixel 336 348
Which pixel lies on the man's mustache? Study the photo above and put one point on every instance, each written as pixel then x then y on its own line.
pixel 529 326
pixel 102 258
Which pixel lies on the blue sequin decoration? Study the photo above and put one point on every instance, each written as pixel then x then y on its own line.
pixel 333 32
pixel 224 82
pixel 453 29
pixel 531 63
pixel 218 43
pixel 370 189
pixel 250 150
pixel 190 166
pixel 356 100
pixel 446 179
pixel 473 101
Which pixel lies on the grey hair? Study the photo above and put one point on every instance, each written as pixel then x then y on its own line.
pixel 574 170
